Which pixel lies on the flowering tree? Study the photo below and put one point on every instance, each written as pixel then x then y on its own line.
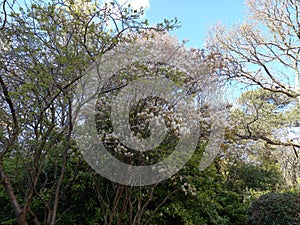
pixel 156 94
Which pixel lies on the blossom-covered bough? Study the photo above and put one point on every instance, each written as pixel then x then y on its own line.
pixel 144 107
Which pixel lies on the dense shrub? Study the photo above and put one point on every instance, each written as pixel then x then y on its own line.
pixel 275 209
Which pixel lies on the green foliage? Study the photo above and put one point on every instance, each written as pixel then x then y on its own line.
pixel 264 112
pixel 244 177
pixel 191 197
pixel 233 207
pixel 275 209
pixel 6 211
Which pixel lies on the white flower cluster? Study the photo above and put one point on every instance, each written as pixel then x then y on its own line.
pixel 174 117
pixel 188 189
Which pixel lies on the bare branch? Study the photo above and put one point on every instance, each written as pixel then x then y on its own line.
pixel 5 15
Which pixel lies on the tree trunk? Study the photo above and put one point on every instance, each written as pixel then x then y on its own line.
pixel 20 213
pixel 22 218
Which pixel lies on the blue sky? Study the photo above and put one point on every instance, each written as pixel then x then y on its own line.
pixel 196 16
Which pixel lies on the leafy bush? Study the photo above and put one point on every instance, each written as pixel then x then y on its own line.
pixel 275 209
